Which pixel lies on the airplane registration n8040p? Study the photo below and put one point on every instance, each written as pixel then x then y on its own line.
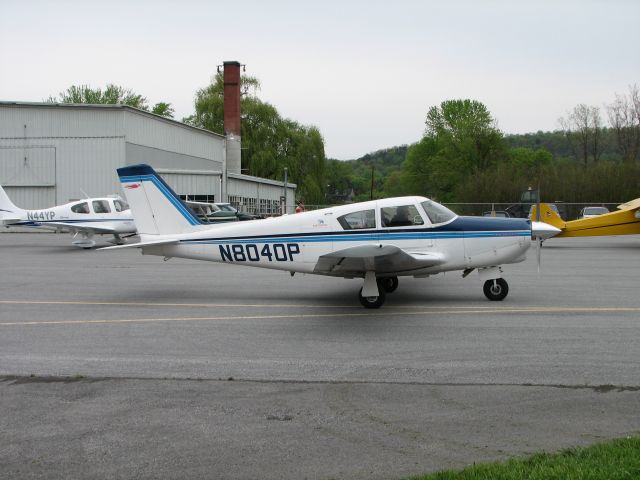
pixel 378 240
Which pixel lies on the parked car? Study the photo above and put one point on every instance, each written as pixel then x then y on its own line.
pixel 588 212
pixel 226 207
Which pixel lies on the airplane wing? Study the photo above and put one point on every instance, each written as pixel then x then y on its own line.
pixel 630 205
pixel 72 227
pixel 355 261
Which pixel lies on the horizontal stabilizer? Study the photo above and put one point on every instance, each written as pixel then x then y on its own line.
pixel 169 241
pixel 9 220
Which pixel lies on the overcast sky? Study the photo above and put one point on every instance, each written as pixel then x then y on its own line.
pixel 364 72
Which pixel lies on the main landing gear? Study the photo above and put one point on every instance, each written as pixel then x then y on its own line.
pixel 496 289
pixel 384 285
pixel 86 240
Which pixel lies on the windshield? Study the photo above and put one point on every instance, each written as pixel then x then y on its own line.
pixel 437 213
pixel 595 211
pixel 226 207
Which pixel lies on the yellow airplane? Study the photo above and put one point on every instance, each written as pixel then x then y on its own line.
pixel 624 221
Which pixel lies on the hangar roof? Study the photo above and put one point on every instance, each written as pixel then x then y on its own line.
pixel 107 107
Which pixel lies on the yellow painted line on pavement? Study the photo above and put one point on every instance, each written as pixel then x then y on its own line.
pixel 160 304
pixel 387 309
pixel 332 315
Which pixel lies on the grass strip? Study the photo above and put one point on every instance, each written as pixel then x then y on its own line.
pixel 614 460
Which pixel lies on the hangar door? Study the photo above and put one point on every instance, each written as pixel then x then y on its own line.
pixel 28 175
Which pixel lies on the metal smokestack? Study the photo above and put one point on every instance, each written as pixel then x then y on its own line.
pixel 231 78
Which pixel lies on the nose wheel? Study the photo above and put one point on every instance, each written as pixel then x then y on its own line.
pixel 372 302
pixel 496 289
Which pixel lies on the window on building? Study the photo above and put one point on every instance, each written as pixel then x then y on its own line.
pixel 199 198
pixel 236 202
pixel 265 207
pixel 358 220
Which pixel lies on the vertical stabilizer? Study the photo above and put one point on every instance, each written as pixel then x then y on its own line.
pixel 7 208
pixel 156 208
pixel 547 215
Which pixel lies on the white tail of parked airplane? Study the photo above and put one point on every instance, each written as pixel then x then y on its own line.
pixel 155 206
pixel 9 213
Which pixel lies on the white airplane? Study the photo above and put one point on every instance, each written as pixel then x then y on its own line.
pixel 378 240
pixel 104 215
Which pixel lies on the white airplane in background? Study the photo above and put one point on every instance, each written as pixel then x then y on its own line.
pixel 378 240
pixel 104 215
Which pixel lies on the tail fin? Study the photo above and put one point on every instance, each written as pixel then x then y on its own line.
pixel 156 208
pixel 547 215
pixel 6 205
pixel 9 213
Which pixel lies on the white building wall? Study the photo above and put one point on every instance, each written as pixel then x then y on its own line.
pixel 51 154
pixel 43 172
pixel 193 183
pixel 199 146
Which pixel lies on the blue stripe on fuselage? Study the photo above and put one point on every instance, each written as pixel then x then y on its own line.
pixel 461 227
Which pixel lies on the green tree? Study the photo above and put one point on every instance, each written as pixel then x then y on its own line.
pixel 269 142
pixel 112 94
pixel 163 109
pixel 466 132
pixel 461 139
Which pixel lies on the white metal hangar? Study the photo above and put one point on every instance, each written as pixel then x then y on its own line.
pixel 53 153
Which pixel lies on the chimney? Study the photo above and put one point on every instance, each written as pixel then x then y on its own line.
pixel 233 155
pixel 231 77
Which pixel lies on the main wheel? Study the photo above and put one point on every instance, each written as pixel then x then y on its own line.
pixel 496 290
pixel 372 302
pixel 388 284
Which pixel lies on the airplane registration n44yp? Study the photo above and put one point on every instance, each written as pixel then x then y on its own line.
pixel 87 217
pixel 378 240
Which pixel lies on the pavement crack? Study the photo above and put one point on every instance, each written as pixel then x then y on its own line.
pixel 26 379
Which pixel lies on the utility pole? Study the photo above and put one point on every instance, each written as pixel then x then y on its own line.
pixel 372 170
pixel 286 172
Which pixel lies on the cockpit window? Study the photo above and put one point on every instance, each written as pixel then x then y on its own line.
pixel 80 208
pixel 401 216
pixel 437 213
pixel 101 206
pixel 358 220
pixel 120 206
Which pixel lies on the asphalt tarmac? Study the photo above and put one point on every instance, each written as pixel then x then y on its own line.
pixel 118 365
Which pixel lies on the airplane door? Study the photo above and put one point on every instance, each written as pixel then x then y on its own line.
pixel 317 239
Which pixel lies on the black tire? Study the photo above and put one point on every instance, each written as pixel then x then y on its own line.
pixel 388 284
pixel 372 302
pixel 496 290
